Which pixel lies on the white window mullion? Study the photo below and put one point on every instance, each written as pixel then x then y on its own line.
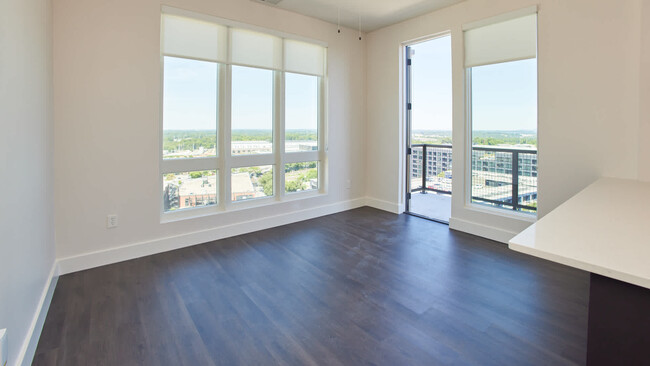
pixel 301 157
pixel 188 165
pixel 226 127
pixel 161 136
pixel 322 135
pixel 279 127
pixel 468 137
pixel 222 146
pixel 243 161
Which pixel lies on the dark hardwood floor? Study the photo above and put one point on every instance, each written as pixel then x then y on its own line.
pixel 359 287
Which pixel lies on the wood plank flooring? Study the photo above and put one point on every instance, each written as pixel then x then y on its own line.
pixel 362 287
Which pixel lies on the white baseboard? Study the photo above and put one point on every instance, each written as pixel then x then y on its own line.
pixel 27 351
pixel 469 227
pixel 484 231
pixel 137 250
pixel 384 205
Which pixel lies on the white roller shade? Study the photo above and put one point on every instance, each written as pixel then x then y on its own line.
pixel 255 49
pixel 302 57
pixel 194 38
pixel 510 40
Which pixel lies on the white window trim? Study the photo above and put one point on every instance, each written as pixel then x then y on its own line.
pixel 224 162
pixel 468 202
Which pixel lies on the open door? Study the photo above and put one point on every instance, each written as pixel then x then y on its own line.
pixel 429 128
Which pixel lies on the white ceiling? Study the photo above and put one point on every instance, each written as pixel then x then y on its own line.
pixel 374 14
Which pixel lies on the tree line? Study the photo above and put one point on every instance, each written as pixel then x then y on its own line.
pixel 178 140
pixel 488 138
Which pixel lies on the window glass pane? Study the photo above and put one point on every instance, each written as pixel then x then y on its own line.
pixel 189 108
pixel 189 189
pixel 252 111
pixel 301 112
pixel 504 135
pixel 251 182
pixel 299 177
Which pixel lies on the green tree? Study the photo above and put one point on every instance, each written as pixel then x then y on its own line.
pixel 293 186
pixel 266 180
pixel 312 173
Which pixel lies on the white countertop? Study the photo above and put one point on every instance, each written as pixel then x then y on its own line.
pixel 604 229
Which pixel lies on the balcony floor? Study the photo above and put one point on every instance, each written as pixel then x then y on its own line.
pixel 432 205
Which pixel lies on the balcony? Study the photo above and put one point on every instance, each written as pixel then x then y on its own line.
pixel 431 205
pixel 501 177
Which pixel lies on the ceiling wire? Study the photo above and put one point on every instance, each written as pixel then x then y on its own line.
pixel 338 21
pixel 359 26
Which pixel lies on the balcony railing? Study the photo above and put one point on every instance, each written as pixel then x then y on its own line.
pixel 496 178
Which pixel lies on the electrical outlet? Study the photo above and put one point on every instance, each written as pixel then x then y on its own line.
pixel 111 221
pixel 348 184
pixel 3 347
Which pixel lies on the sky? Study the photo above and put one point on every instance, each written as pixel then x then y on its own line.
pixel 301 102
pixel 252 98
pixel 504 96
pixel 431 85
pixel 190 97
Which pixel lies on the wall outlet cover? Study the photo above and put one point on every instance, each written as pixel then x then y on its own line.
pixel 111 221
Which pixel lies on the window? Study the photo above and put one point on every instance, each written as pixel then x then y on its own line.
pixel 301 112
pixel 252 182
pixel 241 101
pixel 189 189
pixel 501 64
pixel 189 108
pixel 252 111
pixel 300 177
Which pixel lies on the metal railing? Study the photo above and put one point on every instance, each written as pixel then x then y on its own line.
pixel 437 160
pixel 498 174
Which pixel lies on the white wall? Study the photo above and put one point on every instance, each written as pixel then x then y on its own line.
pixel 107 92
pixel 589 54
pixel 644 96
pixel 26 228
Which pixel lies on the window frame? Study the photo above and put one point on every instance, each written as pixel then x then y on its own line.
pixel 470 203
pixel 225 161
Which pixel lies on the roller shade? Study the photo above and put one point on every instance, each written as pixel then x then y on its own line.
pixel 203 37
pixel 303 57
pixel 194 38
pixel 255 49
pixel 510 40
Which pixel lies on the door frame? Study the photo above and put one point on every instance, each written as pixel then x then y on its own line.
pixel 407 105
